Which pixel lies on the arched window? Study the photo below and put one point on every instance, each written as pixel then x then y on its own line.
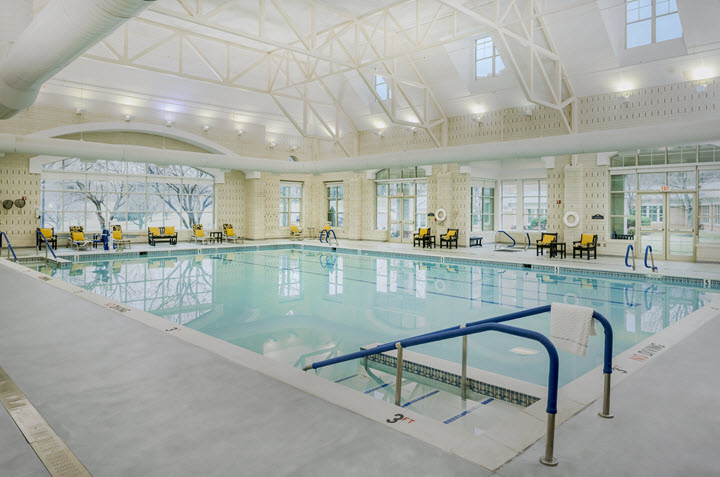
pixel 135 195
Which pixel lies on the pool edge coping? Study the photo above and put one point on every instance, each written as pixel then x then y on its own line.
pixel 491 450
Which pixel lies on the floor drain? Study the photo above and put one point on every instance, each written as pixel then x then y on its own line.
pixel 58 459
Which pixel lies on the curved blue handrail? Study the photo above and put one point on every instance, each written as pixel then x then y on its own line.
pixel 627 255
pixel 8 244
pixel 326 234
pixel 40 234
pixel 510 237
pixel 628 301
pixel 322 234
pixel 528 237
pixel 649 249
pixel 448 334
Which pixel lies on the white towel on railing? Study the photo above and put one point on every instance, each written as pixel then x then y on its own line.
pixel 570 327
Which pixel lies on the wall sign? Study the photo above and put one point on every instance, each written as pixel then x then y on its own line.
pixel 598 216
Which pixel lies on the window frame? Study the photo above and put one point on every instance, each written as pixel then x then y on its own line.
pixel 494 57
pixel 481 214
pixel 379 82
pixel 653 21
pixel 339 193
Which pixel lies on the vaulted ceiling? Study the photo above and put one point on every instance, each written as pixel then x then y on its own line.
pixel 310 65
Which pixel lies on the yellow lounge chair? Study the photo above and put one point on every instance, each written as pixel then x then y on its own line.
pixel 77 238
pixel 295 233
pixel 198 234
pixel 230 235
pixel 118 238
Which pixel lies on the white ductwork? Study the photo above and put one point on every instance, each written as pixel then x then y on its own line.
pixel 668 134
pixel 62 31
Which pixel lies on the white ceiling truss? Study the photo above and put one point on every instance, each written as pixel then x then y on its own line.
pixel 306 54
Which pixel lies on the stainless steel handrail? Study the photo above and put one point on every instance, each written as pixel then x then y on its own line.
pixel 10 249
pixel 47 246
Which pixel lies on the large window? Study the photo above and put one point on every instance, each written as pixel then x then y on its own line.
pixel 290 203
pixel 408 194
pixel 487 59
pixel 534 204
pixel 382 88
pixel 509 205
pixel 482 207
pixel 134 195
pixel 709 202
pixel 335 204
pixel 622 206
pixel 651 21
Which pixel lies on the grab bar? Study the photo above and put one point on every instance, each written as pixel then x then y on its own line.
pixel 10 249
pixel 553 373
pixel 461 330
pixel 326 234
pixel 47 245
pixel 627 253
pixel 653 267
pixel 509 236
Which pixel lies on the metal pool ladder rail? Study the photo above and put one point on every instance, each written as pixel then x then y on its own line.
pixel 10 249
pixel 494 324
pixel 653 267
pixel 326 234
pixel 47 246
pixel 627 254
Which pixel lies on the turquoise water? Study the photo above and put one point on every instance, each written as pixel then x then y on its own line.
pixel 299 306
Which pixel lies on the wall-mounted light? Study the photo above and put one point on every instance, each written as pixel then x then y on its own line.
pixel 379 132
pixel 478 118
pixel 412 129
pixel 701 73
pixel 527 110
pixel 169 123
pixel 128 117
pixel 79 111
pixel 206 127
pixel 240 132
pixel 272 144
pixel 624 98
pixel 701 88
pixel 623 86
pixel 294 147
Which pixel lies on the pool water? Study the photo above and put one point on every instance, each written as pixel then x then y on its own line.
pixel 300 306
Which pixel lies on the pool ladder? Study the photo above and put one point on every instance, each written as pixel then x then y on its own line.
pixel 47 245
pixel 10 249
pixel 495 324
pixel 326 234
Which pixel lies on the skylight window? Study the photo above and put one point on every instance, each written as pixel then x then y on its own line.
pixel 382 89
pixel 487 59
pixel 651 21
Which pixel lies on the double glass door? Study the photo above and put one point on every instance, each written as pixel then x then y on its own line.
pixel 667 224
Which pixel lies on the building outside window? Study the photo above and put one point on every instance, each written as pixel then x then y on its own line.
pixel 382 88
pixel 290 203
pixel 134 195
pixel 534 204
pixel 487 59
pixel 335 204
pixel 482 207
pixel 509 205
pixel 622 206
pixel 408 192
pixel 651 21
pixel 709 205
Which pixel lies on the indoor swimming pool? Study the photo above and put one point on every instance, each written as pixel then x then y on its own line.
pixel 298 306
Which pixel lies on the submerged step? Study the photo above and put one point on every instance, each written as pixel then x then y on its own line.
pixel 447 373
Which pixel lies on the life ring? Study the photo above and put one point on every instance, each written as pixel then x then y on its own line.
pixel 439 285
pixel 440 215
pixel 575 222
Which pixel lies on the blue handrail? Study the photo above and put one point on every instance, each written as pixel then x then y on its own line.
pixel 8 244
pixel 326 234
pixel 627 255
pixel 653 267
pixel 510 236
pixel 528 237
pixel 40 234
pixel 469 330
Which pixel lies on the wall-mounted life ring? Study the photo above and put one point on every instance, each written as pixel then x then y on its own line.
pixel 571 299
pixel 440 215
pixel 439 285
pixel 575 219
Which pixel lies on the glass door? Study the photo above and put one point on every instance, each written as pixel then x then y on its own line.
pixel 681 226
pixel 652 224
pixel 408 215
pixel 395 219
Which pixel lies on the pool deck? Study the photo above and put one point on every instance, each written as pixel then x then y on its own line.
pixel 164 406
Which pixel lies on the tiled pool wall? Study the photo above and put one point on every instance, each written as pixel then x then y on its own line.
pixel 79 257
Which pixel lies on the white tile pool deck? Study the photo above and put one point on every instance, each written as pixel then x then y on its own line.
pixel 162 406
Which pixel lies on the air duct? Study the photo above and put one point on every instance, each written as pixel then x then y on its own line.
pixel 670 133
pixel 63 30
